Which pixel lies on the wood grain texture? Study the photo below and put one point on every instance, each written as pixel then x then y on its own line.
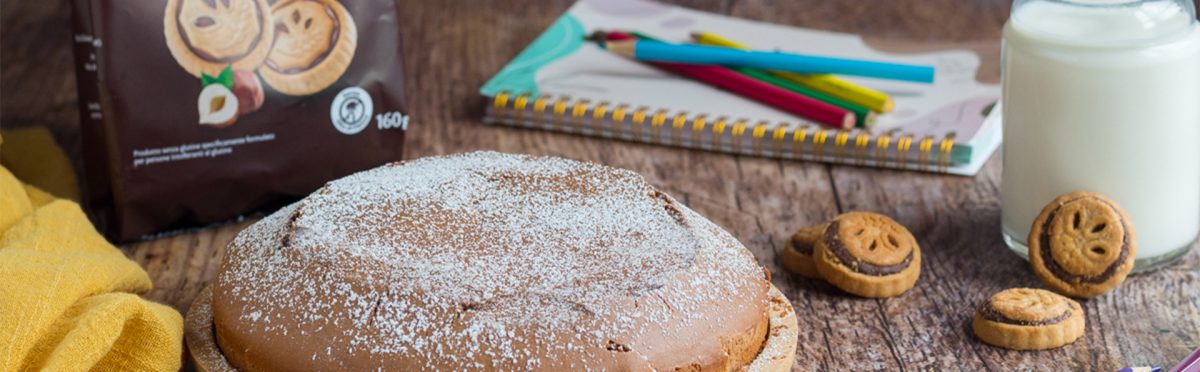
pixel 452 47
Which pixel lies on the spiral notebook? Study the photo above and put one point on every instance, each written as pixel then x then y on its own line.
pixel 561 82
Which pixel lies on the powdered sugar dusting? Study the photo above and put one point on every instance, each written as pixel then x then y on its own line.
pixel 487 259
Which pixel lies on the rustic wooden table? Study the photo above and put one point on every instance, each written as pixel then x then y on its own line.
pixel 453 46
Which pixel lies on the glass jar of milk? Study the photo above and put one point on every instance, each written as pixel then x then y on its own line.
pixel 1104 96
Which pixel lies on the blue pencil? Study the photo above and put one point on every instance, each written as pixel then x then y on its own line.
pixel 710 55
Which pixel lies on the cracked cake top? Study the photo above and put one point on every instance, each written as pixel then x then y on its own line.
pixel 488 260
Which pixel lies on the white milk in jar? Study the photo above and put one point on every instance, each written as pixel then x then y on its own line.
pixel 1104 96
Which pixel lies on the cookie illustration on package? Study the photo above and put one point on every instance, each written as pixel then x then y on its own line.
pixel 207 36
pixel 315 42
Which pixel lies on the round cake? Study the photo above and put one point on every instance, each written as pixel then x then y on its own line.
pixel 491 261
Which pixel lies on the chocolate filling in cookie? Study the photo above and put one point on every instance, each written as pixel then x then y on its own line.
pixel 806 249
pixel 991 314
pixel 1065 276
pixel 334 34
pixel 208 21
pixel 839 250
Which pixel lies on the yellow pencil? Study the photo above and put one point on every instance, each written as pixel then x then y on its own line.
pixel 853 93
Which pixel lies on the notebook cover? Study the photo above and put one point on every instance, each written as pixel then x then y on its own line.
pixel 561 63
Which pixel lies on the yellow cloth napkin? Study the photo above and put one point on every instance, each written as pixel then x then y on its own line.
pixel 32 154
pixel 69 299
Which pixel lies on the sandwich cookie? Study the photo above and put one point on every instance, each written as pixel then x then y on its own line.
pixel 1082 244
pixel 1028 319
pixel 797 255
pixel 868 254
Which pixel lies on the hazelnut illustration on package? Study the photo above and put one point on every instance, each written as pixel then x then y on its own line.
pixel 201 111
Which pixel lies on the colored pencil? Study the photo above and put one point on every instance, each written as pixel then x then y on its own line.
pixel 850 92
pixel 762 92
pixel 712 55
pixel 863 116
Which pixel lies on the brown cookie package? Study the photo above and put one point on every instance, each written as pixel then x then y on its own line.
pixel 200 111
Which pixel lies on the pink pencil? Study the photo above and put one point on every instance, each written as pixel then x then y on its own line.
pixel 759 91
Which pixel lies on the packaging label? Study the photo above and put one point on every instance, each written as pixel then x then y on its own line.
pixel 351 110
pixel 199 111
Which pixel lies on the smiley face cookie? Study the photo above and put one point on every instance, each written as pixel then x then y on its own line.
pixel 868 254
pixel 206 36
pixel 314 44
pixel 1082 244
pixel 1028 319
pixel 797 255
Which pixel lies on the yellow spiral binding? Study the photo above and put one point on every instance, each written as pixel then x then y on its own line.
pixel 806 142
pixel 945 148
pixel 881 149
pixel 639 119
pixel 618 120
pixel 925 149
pixel 736 133
pixel 839 144
pixel 719 132
pixel 798 138
pixel 777 137
pixel 560 109
pixel 819 144
pixel 598 114
pixel 656 123
pixel 539 108
pixel 677 125
pixel 518 111
pixel 902 149
pixel 578 110
pixel 758 134
pixel 500 101
pixel 861 141
pixel 698 126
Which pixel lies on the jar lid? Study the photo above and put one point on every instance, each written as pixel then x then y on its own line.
pixel 1105 22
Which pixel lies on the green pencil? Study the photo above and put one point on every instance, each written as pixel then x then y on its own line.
pixel 640 35
pixel 864 117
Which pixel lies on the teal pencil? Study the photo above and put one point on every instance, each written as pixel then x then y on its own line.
pixel 710 55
